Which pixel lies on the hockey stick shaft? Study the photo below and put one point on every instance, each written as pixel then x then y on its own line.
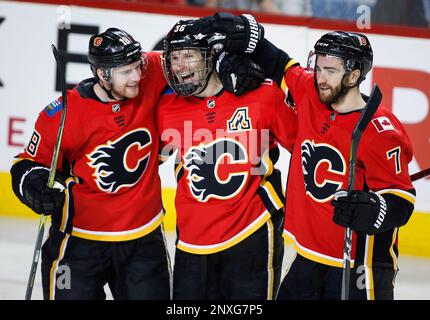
pixel 366 115
pixel 348 235
pixel 36 255
pixel 51 178
pixel 421 174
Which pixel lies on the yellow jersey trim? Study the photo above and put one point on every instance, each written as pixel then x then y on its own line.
pixel 163 158
pixel 121 235
pixel 391 250
pixel 177 169
pixel 65 211
pixel 271 249
pixel 315 256
pixel 284 83
pixel 368 258
pixel 20 159
pixel 266 185
pixel 54 267
pixel 273 196
pixel 207 249
pixel 400 193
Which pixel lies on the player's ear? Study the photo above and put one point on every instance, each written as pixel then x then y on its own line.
pixel 354 77
pixel 100 74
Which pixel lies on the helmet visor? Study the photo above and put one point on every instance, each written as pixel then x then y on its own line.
pixel 319 62
pixel 133 71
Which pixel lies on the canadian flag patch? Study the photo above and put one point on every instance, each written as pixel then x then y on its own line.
pixel 383 124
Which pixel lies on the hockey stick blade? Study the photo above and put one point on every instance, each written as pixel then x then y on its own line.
pixel 366 115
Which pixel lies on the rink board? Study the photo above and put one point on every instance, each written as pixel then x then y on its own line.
pixel 405 82
pixel 414 238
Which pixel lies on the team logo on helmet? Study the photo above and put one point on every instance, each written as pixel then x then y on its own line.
pixel 121 163
pixel 216 170
pixel 97 41
pixel 362 41
pixel 323 170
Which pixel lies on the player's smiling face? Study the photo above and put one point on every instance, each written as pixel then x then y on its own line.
pixel 329 72
pixel 125 80
pixel 188 65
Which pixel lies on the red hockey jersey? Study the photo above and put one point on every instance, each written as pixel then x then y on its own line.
pixel 112 150
pixel 226 181
pixel 319 167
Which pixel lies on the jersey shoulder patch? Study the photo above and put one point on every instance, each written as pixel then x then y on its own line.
pixel 383 123
pixel 55 106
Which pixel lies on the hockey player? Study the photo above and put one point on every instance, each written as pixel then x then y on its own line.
pixel 328 105
pixel 107 216
pixel 229 198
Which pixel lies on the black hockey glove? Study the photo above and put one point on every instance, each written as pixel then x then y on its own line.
pixel 242 32
pixel 239 74
pixel 361 211
pixel 36 194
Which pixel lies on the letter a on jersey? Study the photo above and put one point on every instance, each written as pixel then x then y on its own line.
pixel 239 121
pixel 122 162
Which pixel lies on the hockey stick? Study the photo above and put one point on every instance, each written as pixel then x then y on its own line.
pixel 367 114
pixel 52 171
pixel 421 174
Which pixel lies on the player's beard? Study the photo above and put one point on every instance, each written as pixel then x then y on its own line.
pixel 330 94
pixel 126 91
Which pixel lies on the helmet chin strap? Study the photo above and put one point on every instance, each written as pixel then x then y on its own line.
pixel 205 85
pixel 107 77
pixel 109 93
pixel 208 76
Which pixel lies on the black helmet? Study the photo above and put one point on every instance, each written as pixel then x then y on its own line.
pixel 113 48
pixel 354 48
pixel 181 38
